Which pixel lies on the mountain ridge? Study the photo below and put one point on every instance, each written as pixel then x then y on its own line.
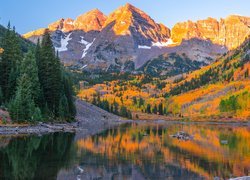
pixel 128 35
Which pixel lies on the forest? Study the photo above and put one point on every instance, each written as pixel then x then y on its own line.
pixel 34 85
pixel 220 89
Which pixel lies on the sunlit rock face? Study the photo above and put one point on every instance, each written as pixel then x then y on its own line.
pixel 126 32
pixel 230 32
pixel 128 38
pixel 129 20
pixel 90 21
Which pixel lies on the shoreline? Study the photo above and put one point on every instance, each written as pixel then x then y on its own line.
pixel 91 120
pixel 47 128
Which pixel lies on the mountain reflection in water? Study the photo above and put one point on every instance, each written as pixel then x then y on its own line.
pixel 131 151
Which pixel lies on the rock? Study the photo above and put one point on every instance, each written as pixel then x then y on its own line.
pixel 230 32
pixel 128 38
pixel 182 136
pixel 224 142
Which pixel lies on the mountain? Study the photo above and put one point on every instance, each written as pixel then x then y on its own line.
pixel 128 38
pixel 90 21
pixel 170 65
pixel 230 32
pixel 127 33
pixel 220 88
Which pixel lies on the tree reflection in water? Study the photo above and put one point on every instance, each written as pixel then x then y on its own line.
pixel 156 155
pixel 131 151
pixel 36 157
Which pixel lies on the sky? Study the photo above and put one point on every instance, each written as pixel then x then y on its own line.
pixel 28 15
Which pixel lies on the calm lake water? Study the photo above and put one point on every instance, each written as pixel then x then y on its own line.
pixel 130 152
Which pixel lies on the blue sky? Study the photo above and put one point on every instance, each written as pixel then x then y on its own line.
pixel 29 15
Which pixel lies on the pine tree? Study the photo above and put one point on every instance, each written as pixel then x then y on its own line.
pixel 165 111
pixel 94 102
pixel 22 106
pixel 37 115
pixel 123 111
pixel 10 60
pixel 141 102
pixel 49 70
pixel 64 113
pixel 29 67
pixel 68 92
pixel 160 109
pixel 155 109
pixel 1 96
pixel 134 100
pixel 129 114
pixel 116 107
pixel 148 110
pixel 105 104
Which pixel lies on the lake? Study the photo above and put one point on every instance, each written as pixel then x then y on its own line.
pixel 131 151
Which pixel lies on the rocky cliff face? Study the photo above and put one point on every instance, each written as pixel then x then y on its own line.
pixel 128 38
pixel 90 21
pixel 126 32
pixel 230 32
pixel 129 20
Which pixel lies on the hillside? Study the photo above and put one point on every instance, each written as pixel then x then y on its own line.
pixel 217 90
pixel 220 88
pixel 24 43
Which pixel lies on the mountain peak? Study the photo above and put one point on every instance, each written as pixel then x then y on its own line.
pixel 129 6
pixel 129 17
pixel 93 12
pixel 92 20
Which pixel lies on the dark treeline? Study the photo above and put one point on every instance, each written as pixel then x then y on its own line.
pixel 112 108
pixel 34 85
pixel 160 109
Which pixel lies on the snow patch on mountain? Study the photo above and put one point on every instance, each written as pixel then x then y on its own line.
pixel 88 45
pixel 163 44
pixel 83 41
pixel 64 43
pixel 144 47
pixel 84 66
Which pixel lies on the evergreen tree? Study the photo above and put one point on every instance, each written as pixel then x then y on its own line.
pixel 64 113
pixel 148 110
pixel 155 109
pixel 160 109
pixel 116 107
pixel 123 111
pixel 94 102
pixel 98 100
pixel 68 93
pixel 165 111
pixel 112 108
pixel 29 67
pixel 141 102
pixel 49 70
pixel 37 115
pixel 129 114
pixel 1 96
pixel 105 105
pixel 22 106
pixel 134 100
pixel 10 60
